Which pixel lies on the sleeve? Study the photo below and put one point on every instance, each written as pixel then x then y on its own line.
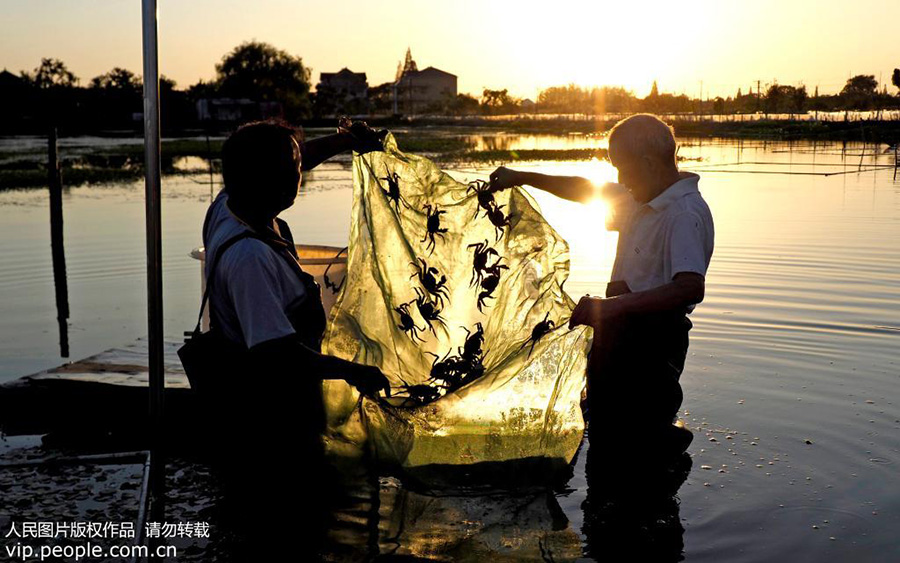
pixel 621 205
pixel 255 288
pixel 687 244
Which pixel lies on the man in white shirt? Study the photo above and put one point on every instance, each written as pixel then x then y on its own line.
pixel 269 314
pixel 665 245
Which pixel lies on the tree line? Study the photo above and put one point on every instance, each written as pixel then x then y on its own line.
pixel 52 95
pixel 860 93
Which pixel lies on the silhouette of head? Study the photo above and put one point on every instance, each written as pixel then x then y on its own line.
pixel 261 167
pixel 642 148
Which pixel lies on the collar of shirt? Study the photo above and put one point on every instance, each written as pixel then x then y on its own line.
pixel 686 185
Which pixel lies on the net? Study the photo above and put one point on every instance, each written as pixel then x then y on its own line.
pixel 456 294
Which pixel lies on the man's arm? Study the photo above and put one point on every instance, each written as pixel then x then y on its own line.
pixel 572 188
pixel 278 353
pixel 254 287
pixel 686 288
pixel 354 135
pixel 316 151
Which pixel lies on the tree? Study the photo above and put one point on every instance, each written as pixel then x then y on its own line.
pixel 785 99
pixel 114 98
pixel 51 73
pixel 564 99
pixel 859 91
pixel 381 98
pixel 719 105
pixel 262 72
pixel 497 101
pixel 464 104
pixel 409 65
pixel 166 84
pixel 895 78
pixel 119 79
pixel 651 102
pixel 798 99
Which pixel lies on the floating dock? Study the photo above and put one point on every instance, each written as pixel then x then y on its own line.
pixel 107 391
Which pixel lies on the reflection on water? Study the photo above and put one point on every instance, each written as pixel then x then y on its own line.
pixel 508 141
pixel 384 518
pixel 625 510
pixel 790 383
pixel 633 509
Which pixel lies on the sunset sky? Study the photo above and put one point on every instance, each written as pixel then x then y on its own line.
pixel 523 46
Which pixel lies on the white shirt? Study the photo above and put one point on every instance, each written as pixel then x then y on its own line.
pixel 255 289
pixel 670 234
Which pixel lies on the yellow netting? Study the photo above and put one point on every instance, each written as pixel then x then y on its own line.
pixel 415 236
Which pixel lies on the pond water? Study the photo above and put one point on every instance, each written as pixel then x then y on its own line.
pixel 791 383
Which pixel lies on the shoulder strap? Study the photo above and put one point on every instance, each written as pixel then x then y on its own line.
pixel 212 269
pixel 292 260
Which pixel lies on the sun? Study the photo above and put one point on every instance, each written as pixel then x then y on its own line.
pixel 614 44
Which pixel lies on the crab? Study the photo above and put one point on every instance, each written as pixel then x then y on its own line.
pixel 407 324
pixel 538 332
pixel 420 394
pixel 428 309
pixel 498 219
pixel 433 225
pixel 489 283
pixel 428 278
pixel 473 370
pixel 334 287
pixel 485 196
pixel 471 351
pixel 393 191
pixel 449 370
pixel 480 259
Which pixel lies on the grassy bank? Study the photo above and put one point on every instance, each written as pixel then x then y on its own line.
pixel 28 169
pixel 442 139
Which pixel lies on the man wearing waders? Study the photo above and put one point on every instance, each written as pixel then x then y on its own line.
pixel 265 306
pixel 641 327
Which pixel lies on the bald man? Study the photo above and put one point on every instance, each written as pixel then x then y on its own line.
pixel 664 249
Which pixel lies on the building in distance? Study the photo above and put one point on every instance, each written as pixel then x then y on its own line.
pixel 342 92
pixel 431 90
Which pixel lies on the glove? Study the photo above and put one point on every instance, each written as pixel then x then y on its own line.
pixel 365 139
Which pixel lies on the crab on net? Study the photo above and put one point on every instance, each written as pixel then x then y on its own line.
pixel 393 193
pixel 407 324
pixel 428 277
pixel 539 331
pixel 433 226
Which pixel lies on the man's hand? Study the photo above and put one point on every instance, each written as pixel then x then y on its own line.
pixel 593 312
pixel 369 381
pixel 364 138
pixel 503 178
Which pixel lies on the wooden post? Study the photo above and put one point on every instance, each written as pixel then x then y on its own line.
pixel 57 249
pixel 896 160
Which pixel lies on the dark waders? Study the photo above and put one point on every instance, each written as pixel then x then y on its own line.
pixel 268 419
pixel 633 375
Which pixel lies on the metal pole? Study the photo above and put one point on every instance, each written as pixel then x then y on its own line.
pixel 154 222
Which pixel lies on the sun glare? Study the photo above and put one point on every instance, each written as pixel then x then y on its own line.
pixel 617 44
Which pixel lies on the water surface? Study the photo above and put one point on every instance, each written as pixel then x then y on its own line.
pixel 792 375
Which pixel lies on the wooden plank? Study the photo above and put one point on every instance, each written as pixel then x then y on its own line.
pixel 107 391
pixel 126 366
